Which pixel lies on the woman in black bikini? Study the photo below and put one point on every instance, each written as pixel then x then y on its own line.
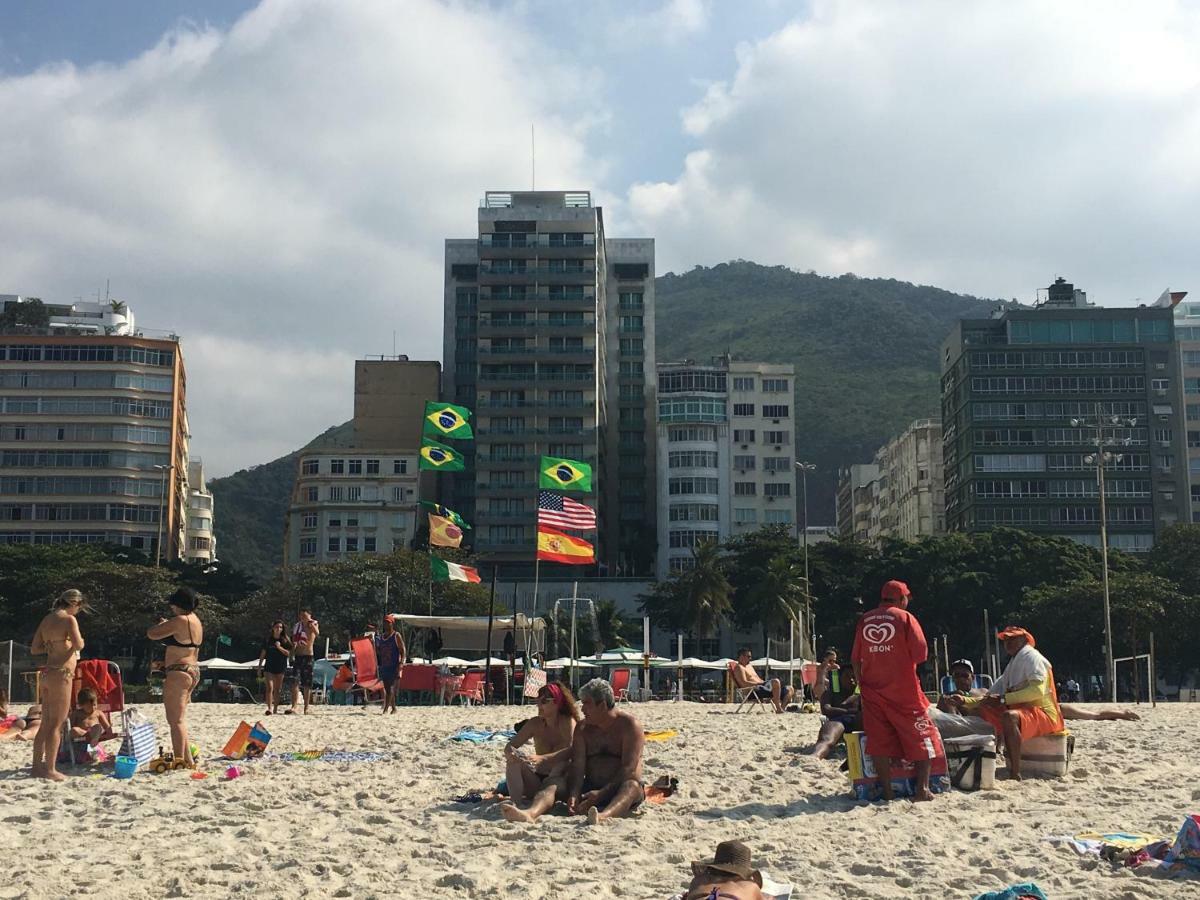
pixel 182 635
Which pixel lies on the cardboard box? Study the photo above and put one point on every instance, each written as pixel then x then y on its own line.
pixel 971 762
pixel 1047 756
pixel 864 780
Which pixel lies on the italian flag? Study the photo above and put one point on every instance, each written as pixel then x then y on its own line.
pixel 448 571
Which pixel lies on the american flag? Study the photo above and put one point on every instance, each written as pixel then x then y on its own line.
pixel 558 511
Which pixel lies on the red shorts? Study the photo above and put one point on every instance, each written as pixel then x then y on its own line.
pixel 900 732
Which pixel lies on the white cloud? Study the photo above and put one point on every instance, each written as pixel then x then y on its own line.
pixel 278 193
pixel 984 147
pixel 671 23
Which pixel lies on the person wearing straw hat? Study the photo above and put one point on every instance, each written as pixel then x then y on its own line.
pixel 729 875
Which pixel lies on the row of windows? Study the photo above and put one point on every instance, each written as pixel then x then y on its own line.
pixel 691 485
pixel 1089 331
pixel 745 383
pixel 704 410
pixel 680 382
pixel 80 484
pixel 81 459
pixel 77 512
pixel 693 512
pixel 86 381
pixel 1191 357
pixel 308 546
pixel 750 436
pixel 1060 515
pixel 1019 411
pixel 1059 384
pixel 85 353
pixel 749 516
pixel 355 519
pixel 770 489
pixel 1122 488
pixel 692 459
pixel 136 541
pixel 86 406
pixel 87 433
pixel 769 411
pixel 1058 359
pixel 680 433
pixel 986 437
pixel 1056 462
pixel 690 537
pixel 350 466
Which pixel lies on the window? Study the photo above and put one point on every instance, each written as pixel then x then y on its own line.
pixel 369 543
pixel 691 485
pixel 704 409
pixel 1191 385
pixel 397 495
pixel 775 385
pixel 688 380
pixel 683 459
pixel 335 492
pixel 775 412
pixel 1160 384
pixel 1165 463
pixel 1163 435
pixel 693 512
pixel 678 433
pixel 745 515
pixel 310 467
pixel 776 437
pixel 743 409
pixel 743 383
pixel 337 467
pixel 743 436
pixel 631 301
pixel 777 463
pixel 372 467
pixel 352 544
pixel 334 520
pixel 778 517
pixel 632 347
pixel 744 489
pixel 351 520
pixel 334 545
pixel 308 547
pixel 631 324
pixel 777 489
pixel 1193 439
pixel 310 494
pixel 1010 462
pixel 690 538
pixel 1191 358
pixel 356 467
pixel 309 520
pixel 744 462
pixel 399 466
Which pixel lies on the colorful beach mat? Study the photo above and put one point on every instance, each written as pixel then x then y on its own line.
pixel 481 736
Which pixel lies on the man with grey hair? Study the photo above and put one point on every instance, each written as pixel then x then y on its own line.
pixel 606 757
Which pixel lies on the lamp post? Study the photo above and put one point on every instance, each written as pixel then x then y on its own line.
pixel 1100 458
pixel 162 500
pixel 805 468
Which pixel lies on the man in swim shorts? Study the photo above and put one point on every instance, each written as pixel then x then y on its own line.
pixel 605 779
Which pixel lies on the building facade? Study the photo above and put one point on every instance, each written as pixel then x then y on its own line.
pixel 93 429
pixel 855 500
pixel 1187 336
pixel 200 542
pixel 361 496
pixel 549 338
pixel 725 461
pixel 909 491
pixel 1025 396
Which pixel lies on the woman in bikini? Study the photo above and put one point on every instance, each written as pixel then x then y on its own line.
pixel 59 640
pixel 182 635
pixel 537 780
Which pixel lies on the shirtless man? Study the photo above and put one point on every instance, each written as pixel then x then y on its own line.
pixel 744 676
pixel 58 639
pixel 304 639
pixel 606 758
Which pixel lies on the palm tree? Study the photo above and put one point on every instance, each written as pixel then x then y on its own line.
pixel 703 590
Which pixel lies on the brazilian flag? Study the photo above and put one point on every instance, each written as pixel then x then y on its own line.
pixel 565 474
pixel 438 510
pixel 439 457
pixel 445 420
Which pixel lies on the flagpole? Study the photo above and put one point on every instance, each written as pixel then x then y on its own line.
pixel 429 551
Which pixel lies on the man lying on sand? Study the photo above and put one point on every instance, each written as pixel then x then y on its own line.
pixel 727 876
pixel 606 758
pixel 744 676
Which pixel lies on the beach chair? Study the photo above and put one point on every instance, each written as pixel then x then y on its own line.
pixel 366 668
pixel 982 682
pixel 619 681
pixel 418 679
pixel 471 688
pixel 104 677
pixel 744 695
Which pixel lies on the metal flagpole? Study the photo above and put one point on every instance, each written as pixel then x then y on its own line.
pixel 487 694
pixel 537 566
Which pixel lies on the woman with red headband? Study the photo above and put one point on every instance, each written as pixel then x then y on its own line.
pixel 535 781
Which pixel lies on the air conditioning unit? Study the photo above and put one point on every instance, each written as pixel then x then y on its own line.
pixel 1160 366
pixel 774 421
pixel 745 446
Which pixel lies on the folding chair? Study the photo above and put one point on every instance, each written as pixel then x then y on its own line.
pixel 366 668
pixel 471 688
pixel 104 677
pixel 619 681
pixel 745 695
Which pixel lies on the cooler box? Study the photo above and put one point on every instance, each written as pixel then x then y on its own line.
pixel 863 777
pixel 1047 756
pixel 971 762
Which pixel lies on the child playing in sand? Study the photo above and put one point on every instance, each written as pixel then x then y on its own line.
pixel 88 722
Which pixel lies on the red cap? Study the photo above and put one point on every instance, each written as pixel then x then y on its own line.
pixel 895 590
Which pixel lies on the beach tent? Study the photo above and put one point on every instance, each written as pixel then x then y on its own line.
pixel 564 662
pixel 453 662
pixel 495 662
pixel 469 633
pixel 227 665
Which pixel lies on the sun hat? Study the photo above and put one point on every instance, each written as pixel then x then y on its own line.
pixel 895 590
pixel 733 858
pixel 1016 631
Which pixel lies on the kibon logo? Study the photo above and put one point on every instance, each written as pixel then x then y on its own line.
pixel 879 634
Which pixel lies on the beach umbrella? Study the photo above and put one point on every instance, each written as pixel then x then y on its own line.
pixel 565 661
pixel 453 662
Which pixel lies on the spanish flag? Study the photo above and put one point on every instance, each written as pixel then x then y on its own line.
pixel 443 532
pixel 556 546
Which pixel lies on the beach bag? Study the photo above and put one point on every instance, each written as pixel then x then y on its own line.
pixel 535 680
pixel 971 762
pixel 140 740
pixel 247 741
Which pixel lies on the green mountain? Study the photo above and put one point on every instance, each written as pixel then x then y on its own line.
pixel 865 352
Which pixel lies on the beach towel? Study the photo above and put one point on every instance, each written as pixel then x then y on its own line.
pixel 8 722
pixel 93 673
pixel 1025 891
pixel 481 736
pixel 664 734
pixel 661 789
pixel 329 756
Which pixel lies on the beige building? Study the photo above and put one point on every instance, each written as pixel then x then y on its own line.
pixel 200 541
pixel 361 495
pixel 855 500
pixel 1187 336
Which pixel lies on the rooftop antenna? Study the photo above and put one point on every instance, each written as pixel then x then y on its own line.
pixel 106 286
pixel 532 158
pixel 393 342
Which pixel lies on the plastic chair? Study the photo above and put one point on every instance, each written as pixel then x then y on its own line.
pixel 619 680
pixel 366 668
pixel 747 694
pixel 418 679
pixel 471 688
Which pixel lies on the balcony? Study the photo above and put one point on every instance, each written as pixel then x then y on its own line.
pixel 485 352
pixel 535 404
pixel 506 487
pixel 505 516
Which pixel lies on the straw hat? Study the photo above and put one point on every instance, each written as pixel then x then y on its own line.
pixel 732 858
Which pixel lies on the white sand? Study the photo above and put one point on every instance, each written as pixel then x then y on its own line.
pixel 312 829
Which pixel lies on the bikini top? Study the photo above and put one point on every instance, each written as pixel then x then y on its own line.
pixel 172 641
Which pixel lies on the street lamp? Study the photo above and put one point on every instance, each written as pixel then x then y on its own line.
pixel 1099 459
pixel 805 468
pixel 162 499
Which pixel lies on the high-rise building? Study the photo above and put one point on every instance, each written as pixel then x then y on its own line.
pixel 1026 395
pixel 549 338
pixel 725 463
pixel 200 539
pixel 358 493
pixel 909 494
pixel 854 500
pixel 93 428
pixel 1187 336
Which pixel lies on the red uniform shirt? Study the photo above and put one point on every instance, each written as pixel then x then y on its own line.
pixel 888 645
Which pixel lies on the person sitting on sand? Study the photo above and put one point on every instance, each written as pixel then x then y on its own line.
pixel 841 704
pixel 950 722
pixel 88 722
pixel 1023 703
pixel 825 668
pixel 744 676
pixel 536 781
pixel 606 757
pixel 727 876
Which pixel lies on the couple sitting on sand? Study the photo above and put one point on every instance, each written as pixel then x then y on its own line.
pixel 592 761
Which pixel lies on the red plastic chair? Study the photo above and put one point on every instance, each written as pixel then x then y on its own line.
pixel 471 688
pixel 366 667
pixel 418 679
pixel 619 680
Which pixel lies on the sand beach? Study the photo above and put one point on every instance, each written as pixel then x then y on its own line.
pixel 382 827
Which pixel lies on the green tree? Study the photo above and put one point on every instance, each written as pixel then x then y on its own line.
pixel 1176 555
pixel 704 590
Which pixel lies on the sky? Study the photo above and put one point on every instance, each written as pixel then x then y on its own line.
pixel 274 181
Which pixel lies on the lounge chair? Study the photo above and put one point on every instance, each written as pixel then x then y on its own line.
pixel 744 695
pixel 471 688
pixel 366 668
pixel 619 681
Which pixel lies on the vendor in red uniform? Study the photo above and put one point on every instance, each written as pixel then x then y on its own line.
pixel 888 647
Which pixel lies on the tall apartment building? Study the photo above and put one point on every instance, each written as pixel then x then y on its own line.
pixel 93 428
pixel 854 500
pixel 200 545
pixel 359 493
pixel 1022 394
pixel 1187 336
pixel 909 492
pixel 549 338
pixel 725 463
